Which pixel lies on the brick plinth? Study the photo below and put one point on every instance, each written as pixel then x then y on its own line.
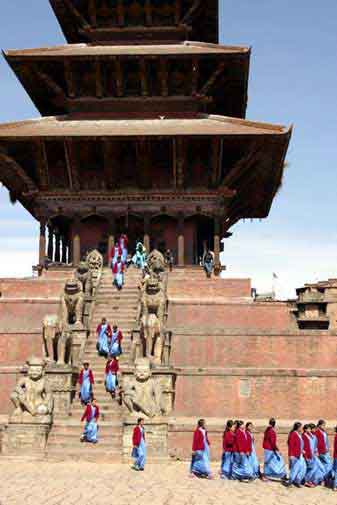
pixel 289 393
pixel 264 349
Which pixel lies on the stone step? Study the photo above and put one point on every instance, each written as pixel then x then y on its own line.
pixel 92 453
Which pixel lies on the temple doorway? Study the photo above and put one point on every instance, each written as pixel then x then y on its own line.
pixel 133 226
pixel 164 234
pixel 199 235
pixel 94 235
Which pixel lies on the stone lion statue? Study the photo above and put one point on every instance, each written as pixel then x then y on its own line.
pixel 156 262
pixel 32 396
pixel 151 316
pixel 55 339
pixel 144 394
pixel 94 261
pixel 72 303
pixel 84 275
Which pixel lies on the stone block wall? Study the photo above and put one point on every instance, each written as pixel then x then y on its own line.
pixel 242 393
pixel 299 349
pixel 219 314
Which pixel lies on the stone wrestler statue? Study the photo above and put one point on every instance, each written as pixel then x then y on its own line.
pixel 143 393
pixel 31 394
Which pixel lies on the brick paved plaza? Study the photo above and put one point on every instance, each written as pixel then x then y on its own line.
pixel 110 484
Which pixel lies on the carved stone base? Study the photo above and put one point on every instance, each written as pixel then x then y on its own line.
pixel 156 434
pixel 25 438
pixel 60 379
pixel 79 337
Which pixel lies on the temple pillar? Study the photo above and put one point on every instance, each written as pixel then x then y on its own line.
pixel 111 237
pixel 217 246
pixel 181 241
pixel 64 250
pixel 42 243
pixel 146 240
pixel 50 242
pixel 76 244
pixel 57 247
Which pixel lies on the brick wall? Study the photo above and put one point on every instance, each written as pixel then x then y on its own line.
pixel 293 350
pixel 31 288
pixel 8 380
pixel 244 316
pixel 286 394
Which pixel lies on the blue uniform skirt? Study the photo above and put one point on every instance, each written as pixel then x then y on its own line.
pixel 274 466
pixel 315 471
pixel 139 455
pixel 86 390
pixel 334 474
pixel 226 465
pixel 242 469
pixel 102 344
pixel 91 431
pixel 326 462
pixel 254 463
pixel 200 464
pixel 298 469
pixel 111 382
pixel 115 349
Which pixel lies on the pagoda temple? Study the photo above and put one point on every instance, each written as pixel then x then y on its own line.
pixel 142 131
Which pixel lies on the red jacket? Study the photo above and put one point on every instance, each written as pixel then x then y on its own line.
pixel 125 239
pixel 108 329
pixel 198 440
pixel 115 268
pixel 294 444
pixel 228 441
pixel 115 249
pixel 119 336
pixel 335 448
pixel 137 436
pixel 87 413
pixel 249 442
pixel 112 366
pixel 91 377
pixel 241 441
pixel 307 447
pixel 269 439
pixel 321 446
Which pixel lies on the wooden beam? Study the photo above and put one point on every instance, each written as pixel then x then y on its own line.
pixel 108 162
pixel 69 77
pixel 41 163
pixel 119 78
pixel 215 159
pixel 163 76
pixel 211 81
pixel 92 12
pixel 174 158
pixel 148 12
pixel 98 79
pixel 243 164
pixel 143 77
pixel 49 81
pixel 191 12
pixel 177 12
pixel 19 172
pixel 195 76
pixel 77 15
pixel 71 164
pixel 120 10
pixel 181 157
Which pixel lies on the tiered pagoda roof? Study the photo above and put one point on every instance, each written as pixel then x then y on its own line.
pixel 140 123
pixel 137 21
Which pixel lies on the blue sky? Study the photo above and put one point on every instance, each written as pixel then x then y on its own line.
pixel 293 80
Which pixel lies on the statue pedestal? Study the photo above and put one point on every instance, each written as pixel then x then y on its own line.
pixel 79 338
pixel 27 437
pixel 156 435
pixel 61 380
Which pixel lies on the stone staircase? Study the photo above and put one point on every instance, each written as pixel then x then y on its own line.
pixel 119 307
